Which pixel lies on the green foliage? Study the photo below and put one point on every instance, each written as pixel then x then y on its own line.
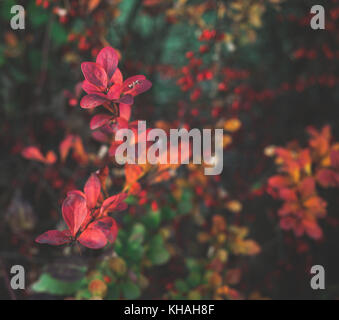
pixel 37 16
pixel 157 252
pixel 130 290
pixel 152 219
pixel 185 205
pixel 58 34
pixel 48 284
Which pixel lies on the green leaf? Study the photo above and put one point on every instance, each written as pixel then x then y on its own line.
pixel 152 219
pixel 17 74
pixel 181 286
pixel 125 8
pixel 131 199
pixel 257 185
pixel 48 284
pixel 185 205
pixel 130 290
pixel 5 9
pixel 192 264
pixel 167 213
pixel 36 15
pixel 83 294
pixel 35 58
pixel 58 34
pixel 159 256
pixel 194 279
pixel 144 25
pixel 137 233
pixel 113 292
pixel 134 251
pixel 157 253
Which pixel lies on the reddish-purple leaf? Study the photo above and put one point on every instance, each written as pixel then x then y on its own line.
pixel 74 211
pixel 114 92
pixel 136 85
pixel 130 82
pixel 100 136
pixel 114 203
pixel 307 187
pixel 99 120
pixel 90 88
pixel 107 226
pixel 334 156
pixel 92 190
pixel 93 238
pixel 327 178
pixel 127 99
pixel 76 192
pixel 54 237
pixel 93 100
pixel 141 87
pixel 95 74
pixel 108 59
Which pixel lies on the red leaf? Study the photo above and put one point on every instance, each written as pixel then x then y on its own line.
pixel 79 153
pixel 278 182
pixel 132 172
pixel 92 100
pixel 50 157
pixel 107 226
pixel 89 88
pixel 76 192
pixel 92 4
pixel 99 120
pixel 95 74
pixel 100 136
pixel 287 194
pixel 108 59
pixel 114 203
pixel 65 146
pixel 307 187
pixel 125 111
pixel 131 82
pixel 312 229
pixel 74 212
pixel 122 123
pixel 92 190
pixel 32 153
pixel 113 148
pixel 102 175
pixel 114 92
pixel 127 99
pixel 136 85
pixel 117 77
pixel 334 156
pixel 326 178
pixel 93 238
pixel 54 237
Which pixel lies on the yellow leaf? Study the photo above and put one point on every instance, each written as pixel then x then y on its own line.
pixel 232 125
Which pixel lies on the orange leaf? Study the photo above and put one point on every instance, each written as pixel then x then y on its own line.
pixel 92 4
